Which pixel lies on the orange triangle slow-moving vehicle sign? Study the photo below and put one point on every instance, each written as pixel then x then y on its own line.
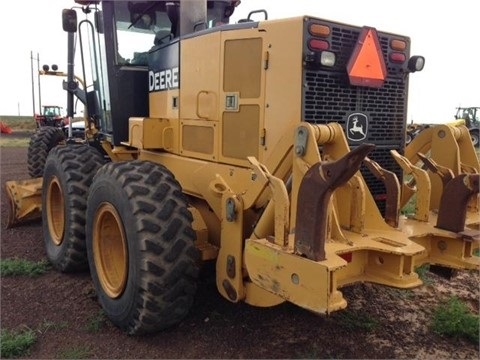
pixel 366 66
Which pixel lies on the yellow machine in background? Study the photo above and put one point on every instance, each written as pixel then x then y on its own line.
pixel 274 148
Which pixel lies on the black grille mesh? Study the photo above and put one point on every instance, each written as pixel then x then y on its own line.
pixel 329 97
pixel 382 156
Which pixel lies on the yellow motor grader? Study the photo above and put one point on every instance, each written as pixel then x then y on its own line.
pixel 275 148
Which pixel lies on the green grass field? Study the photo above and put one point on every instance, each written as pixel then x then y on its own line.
pixel 19 122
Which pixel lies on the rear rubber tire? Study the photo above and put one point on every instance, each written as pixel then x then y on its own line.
pixel 69 171
pixel 408 139
pixel 41 142
pixel 140 246
pixel 474 135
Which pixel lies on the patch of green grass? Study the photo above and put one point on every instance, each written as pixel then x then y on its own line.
pixel 453 318
pixel 23 122
pixel 476 252
pixel 410 206
pixel 75 352
pixel 15 267
pixel 50 325
pixel 5 141
pixel 16 343
pixel 400 293
pixel 355 320
pixel 19 122
pixel 96 322
pixel 423 272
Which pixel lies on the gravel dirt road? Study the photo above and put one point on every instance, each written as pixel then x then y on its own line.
pixel 379 322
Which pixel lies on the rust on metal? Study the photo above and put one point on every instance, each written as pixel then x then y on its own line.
pixel 453 204
pixel 314 195
pixel 470 235
pixel 230 290
pixel 392 187
pixel 422 183
pixel 443 172
pixel 231 267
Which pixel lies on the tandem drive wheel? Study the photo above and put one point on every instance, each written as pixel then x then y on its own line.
pixel 69 171
pixel 140 246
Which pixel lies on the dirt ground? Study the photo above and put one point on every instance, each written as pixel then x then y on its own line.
pixel 62 309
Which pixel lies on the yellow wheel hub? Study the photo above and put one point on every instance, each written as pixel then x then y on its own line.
pixel 110 250
pixel 56 211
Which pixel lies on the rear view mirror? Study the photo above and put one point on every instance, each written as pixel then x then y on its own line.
pixel 99 22
pixel 69 20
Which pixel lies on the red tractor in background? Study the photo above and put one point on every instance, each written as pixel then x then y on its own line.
pixel 52 130
pixel 51 116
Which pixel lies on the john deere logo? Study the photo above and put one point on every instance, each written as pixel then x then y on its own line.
pixel 357 127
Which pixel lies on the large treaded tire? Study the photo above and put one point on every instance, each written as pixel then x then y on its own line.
pixel 69 171
pixel 408 138
pixel 41 142
pixel 140 245
pixel 474 135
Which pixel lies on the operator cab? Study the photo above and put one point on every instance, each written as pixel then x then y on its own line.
pixel 141 25
pixel 138 27
pixel 119 41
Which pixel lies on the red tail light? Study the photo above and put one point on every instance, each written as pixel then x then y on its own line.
pixel 397 57
pixel 318 45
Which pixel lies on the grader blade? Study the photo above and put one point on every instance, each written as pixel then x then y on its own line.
pixel 25 197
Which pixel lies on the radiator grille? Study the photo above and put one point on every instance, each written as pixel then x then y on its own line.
pixel 329 97
pixel 382 156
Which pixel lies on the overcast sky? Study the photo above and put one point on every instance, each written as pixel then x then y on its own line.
pixel 445 32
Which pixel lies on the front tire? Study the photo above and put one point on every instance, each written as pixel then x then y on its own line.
pixel 41 143
pixel 474 135
pixel 140 246
pixel 69 171
pixel 408 138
